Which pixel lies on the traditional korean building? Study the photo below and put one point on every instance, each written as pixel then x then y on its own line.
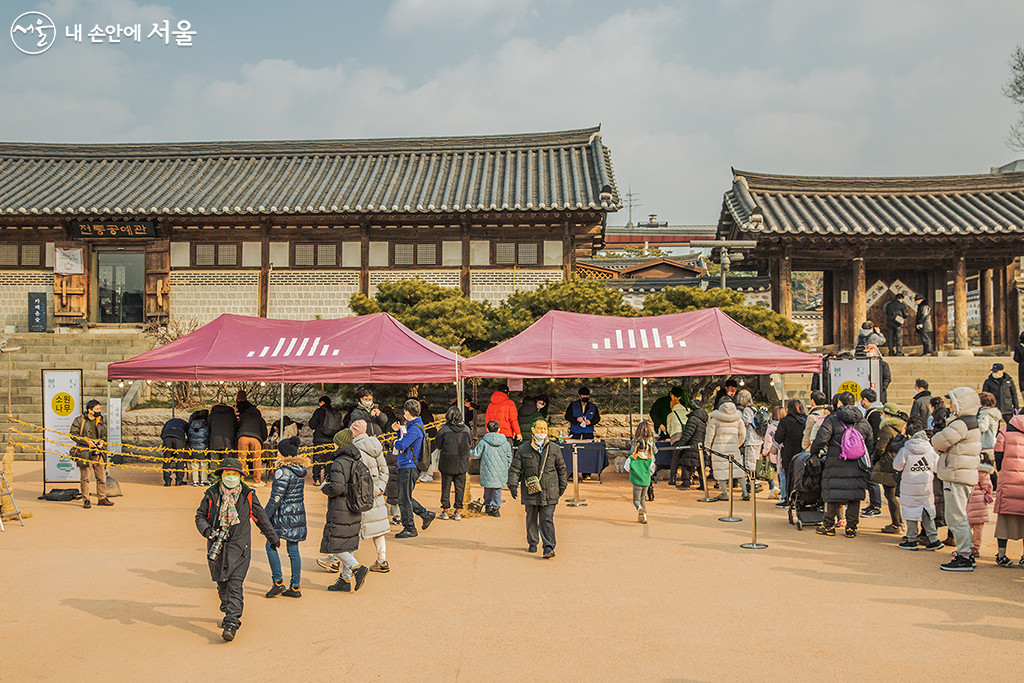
pixel 875 237
pixel 129 233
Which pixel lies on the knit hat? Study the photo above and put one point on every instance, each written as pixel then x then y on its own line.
pixel 343 438
pixel 289 448
pixel 891 408
pixel 232 464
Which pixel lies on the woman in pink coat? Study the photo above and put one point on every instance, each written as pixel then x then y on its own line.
pixel 977 506
pixel 1009 508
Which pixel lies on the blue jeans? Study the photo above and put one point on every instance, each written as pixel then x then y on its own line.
pixel 294 559
pixel 782 482
pixel 875 496
pixel 406 503
pixel 492 497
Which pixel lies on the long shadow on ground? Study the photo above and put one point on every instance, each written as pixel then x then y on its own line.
pixel 130 612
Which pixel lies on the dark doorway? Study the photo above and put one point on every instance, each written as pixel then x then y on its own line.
pixel 122 280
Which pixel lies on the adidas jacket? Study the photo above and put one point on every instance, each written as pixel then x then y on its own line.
pixel 918 461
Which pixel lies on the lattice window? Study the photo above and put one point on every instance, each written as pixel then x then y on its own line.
pixel 405 254
pixel 9 254
pixel 419 254
pixel 206 255
pixel 517 253
pixel 505 253
pixel 426 254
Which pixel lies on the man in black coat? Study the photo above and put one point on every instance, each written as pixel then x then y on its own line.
pixel 843 482
pixel 368 411
pixel 542 458
pixel 924 325
pixel 341 530
pixel 1001 385
pixel 922 401
pixel 232 527
pixel 321 437
pixel 223 428
pixel 896 313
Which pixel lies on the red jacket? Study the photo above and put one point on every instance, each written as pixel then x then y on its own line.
pixel 503 410
pixel 977 508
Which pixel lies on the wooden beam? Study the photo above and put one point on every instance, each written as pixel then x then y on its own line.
pixel 786 286
pixel 960 302
pixel 858 300
pixel 999 306
pixel 264 293
pixel 773 279
pixel 940 317
pixel 567 257
pixel 985 305
pixel 828 315
pixel 364 261
pixel 464 278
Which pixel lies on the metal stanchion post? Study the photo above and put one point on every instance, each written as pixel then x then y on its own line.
pixel 753 545
pixel 731 494
pixel 575 502
pixel 708 498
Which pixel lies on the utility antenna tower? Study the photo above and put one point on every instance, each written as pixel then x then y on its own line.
pixel 632 203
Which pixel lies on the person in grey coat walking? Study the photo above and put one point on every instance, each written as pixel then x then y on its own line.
pixel 539 458
pixel 923 323
pixel 495 453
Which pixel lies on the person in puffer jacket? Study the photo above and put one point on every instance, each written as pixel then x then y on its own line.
pixel 959 449
pixel 173 436
pixel 1009 507
pixel 495 453
pixel 287 512
pixel 843 482
pixel 917 460
pixel 977 508
pixel 725 435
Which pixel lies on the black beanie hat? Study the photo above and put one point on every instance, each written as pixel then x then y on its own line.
pixel 289 448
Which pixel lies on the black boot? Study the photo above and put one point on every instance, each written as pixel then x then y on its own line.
pixel 650 491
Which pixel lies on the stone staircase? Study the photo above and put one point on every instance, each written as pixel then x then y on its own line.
pixel 90 351
pixel 942 372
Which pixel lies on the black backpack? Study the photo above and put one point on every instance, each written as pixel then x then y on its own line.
pixel 360 487
pixel 762 420
pixel 333 422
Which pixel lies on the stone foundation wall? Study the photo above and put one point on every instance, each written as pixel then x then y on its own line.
pixel 497 285
pixel 444 278
pixel 15 286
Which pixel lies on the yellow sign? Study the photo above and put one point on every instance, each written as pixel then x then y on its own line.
pixel 63 404
pixel 852 387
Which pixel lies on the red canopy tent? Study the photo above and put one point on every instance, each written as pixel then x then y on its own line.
pixel 706 342
pixel 371 348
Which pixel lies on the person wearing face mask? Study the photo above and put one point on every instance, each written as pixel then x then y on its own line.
pixel 542 458
pixel 369 412
pixel 89 433
pixel 582 416
pixel 1001 385
pixel 224 518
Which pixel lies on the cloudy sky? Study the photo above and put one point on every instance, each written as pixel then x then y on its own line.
pixel 683 90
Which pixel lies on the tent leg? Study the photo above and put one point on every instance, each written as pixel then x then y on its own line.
pixel 280 425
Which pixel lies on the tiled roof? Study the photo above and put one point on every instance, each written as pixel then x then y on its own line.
pixel 563 171
pixel 739 283
pixel 991 204
pixel 624 262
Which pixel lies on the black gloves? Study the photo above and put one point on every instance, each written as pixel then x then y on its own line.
pixel 275 544
pixel 513 491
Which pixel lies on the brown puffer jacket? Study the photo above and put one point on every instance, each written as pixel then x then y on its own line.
pixel 959 444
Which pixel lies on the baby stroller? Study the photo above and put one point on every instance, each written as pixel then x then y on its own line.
pixel 804 481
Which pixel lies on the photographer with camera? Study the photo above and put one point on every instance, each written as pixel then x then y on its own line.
pixel 223 518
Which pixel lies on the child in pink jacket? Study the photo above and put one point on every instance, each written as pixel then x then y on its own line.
pixel 977 507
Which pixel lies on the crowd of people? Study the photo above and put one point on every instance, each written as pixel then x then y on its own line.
pixel 938 465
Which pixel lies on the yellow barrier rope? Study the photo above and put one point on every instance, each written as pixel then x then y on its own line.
pixel 188 453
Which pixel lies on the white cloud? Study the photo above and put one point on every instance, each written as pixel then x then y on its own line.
pixel 413 15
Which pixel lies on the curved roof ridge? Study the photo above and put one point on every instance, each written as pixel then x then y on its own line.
pixel 791 184
pixel 258 148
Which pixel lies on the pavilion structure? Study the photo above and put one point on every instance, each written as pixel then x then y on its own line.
pixel 873 238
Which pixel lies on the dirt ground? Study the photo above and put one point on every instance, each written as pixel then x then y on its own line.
pixel 123 593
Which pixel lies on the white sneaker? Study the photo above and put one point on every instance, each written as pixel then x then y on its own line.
pixel 443 515
pixel 330 563
pixel 456 516
pixel 642 516
pixel 424 479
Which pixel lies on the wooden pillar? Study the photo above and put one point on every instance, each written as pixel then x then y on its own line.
pixel 567 259
pixel 985 306
pixel 1011 304
pixel 999 306
pixel 786 286
pixel 774 284
pixel 464 280
pixel 960 302
pixel 858 294
pixel 940 318
pixel 264 293
pixel 364 261
pixel 828 315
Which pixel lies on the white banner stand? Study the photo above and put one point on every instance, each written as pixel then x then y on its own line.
pixel 62 403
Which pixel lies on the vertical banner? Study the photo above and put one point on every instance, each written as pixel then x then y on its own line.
pixel 113 418
pixel 37 311
pixel 854 375
pixel 62 403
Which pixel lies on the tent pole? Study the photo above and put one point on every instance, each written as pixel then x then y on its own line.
pixel 280 425
pixel 629 394
pixel 640 417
